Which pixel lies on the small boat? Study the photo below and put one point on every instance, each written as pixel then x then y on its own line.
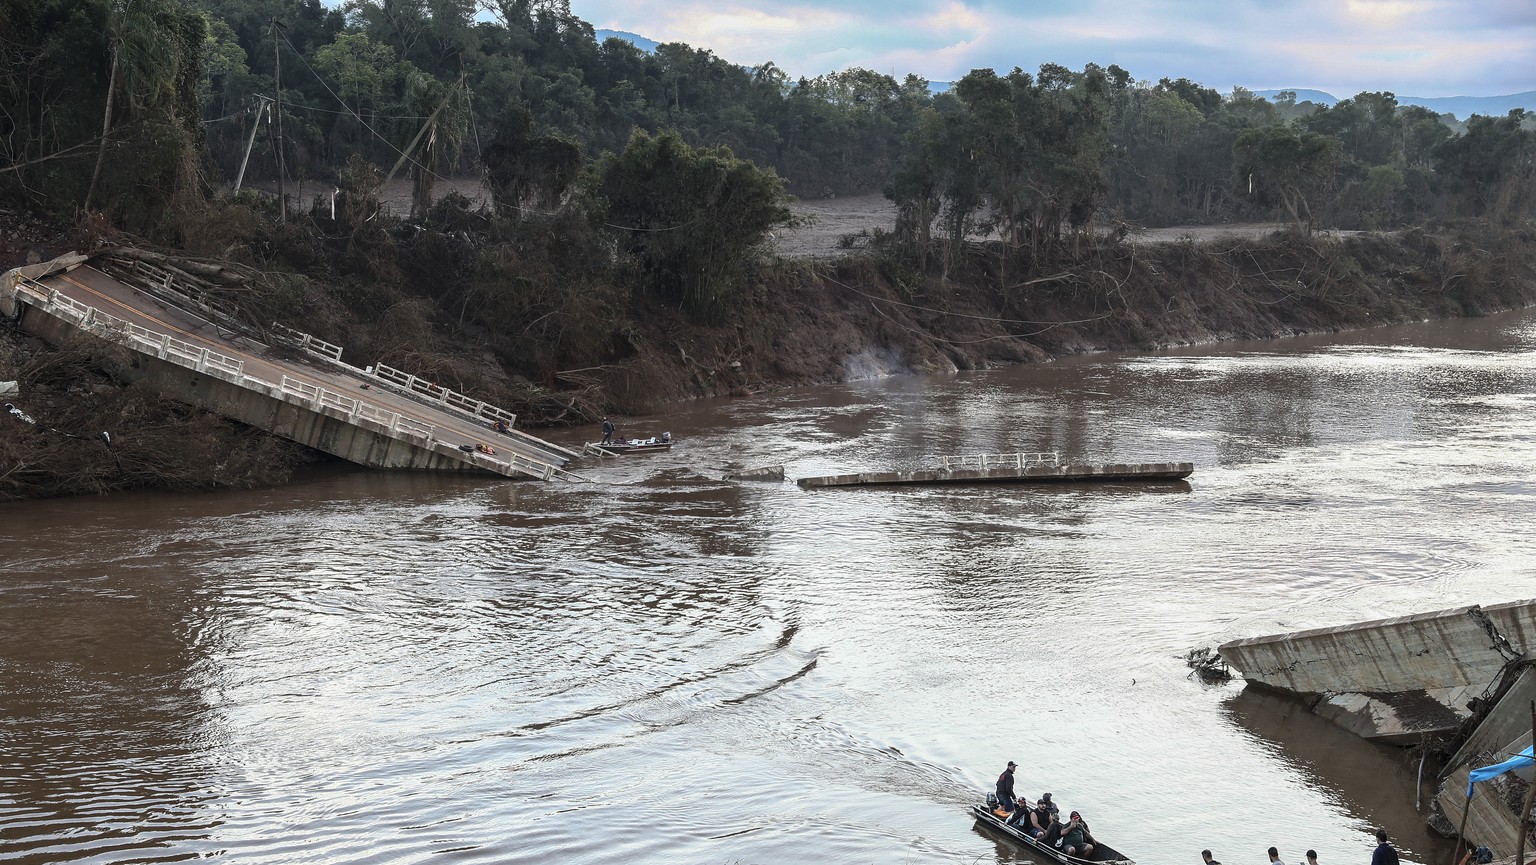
pixel 633 446
pixel 1102 853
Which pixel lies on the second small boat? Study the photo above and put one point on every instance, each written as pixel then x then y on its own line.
pixel 634 446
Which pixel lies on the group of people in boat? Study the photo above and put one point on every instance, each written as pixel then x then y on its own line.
pixel 611 437
pixel 1042 819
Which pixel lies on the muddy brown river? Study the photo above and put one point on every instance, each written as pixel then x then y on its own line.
pixel 662 667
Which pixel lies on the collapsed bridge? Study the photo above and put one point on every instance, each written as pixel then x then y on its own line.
pixel 293 385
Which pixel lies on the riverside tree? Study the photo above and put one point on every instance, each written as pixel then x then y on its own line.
pixel 694 219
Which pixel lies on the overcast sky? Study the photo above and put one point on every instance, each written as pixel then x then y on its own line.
pixel 1411 47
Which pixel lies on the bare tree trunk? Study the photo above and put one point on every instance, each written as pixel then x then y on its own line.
pixel 106 125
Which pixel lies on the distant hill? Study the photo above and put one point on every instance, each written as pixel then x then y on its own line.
pixel 1316 97
pixel 1465 106
pixel 1461 106
pixel 640 42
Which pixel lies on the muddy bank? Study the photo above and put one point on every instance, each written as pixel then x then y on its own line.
pixel 866 316
pixel 82 432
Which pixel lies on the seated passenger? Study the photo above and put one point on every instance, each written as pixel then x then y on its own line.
pixel 1052 834
pixel 1020 816
pixel 1076 840
pixel 1041 818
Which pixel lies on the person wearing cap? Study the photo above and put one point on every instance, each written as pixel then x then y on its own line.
pixel 608 429
pixel 1019 819
pixel 1076 840
pixel 1005 798
pixel 1045 800
pixel 1041 819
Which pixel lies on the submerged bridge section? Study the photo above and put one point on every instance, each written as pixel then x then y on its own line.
pixel 299 389
pixel 1043 467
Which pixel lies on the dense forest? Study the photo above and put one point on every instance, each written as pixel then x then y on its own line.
pixel 521 90
pixel 633 193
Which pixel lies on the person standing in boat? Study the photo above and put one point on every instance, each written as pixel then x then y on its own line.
pixel 1005 798
pixel 608 430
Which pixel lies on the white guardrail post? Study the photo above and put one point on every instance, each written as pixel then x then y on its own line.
pixel 1020 460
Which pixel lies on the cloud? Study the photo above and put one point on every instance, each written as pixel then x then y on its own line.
pixel 1413 47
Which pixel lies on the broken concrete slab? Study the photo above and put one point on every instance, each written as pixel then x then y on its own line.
pixel 765 473
pixel 1397 678
pixel 1459 677
pixel 1398 717
pixel 1502 733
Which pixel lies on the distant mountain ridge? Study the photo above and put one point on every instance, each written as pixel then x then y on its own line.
pixel 1461 106
pixel 634 39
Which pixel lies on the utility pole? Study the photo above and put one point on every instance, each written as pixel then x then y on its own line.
pixel 260 109
pixel 282 166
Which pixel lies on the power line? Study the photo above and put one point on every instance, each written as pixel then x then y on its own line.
pixel 334 111
pixel 358 117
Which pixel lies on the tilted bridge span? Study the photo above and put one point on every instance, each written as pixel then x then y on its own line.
pixel 297 387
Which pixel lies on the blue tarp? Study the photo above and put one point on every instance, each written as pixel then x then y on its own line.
pixel 1520 761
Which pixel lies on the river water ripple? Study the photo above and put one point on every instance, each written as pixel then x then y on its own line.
pixel 662 667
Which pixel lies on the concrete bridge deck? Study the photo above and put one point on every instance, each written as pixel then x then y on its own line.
pixel 1114 472
pixel 373 416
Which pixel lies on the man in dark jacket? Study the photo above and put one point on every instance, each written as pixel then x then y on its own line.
pixel 1385 853
pixel 608 429
pixel 1005 788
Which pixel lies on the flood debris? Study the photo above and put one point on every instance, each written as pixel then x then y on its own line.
pixel 763 473
pixel 1207 664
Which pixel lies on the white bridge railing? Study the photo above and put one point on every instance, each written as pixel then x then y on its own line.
pixel 161 345
pixel 314 397
pixel 356 409
pixel 167 282
pixel 477 407
pixel 1019 461
pixel 307 342
pixel 536 468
